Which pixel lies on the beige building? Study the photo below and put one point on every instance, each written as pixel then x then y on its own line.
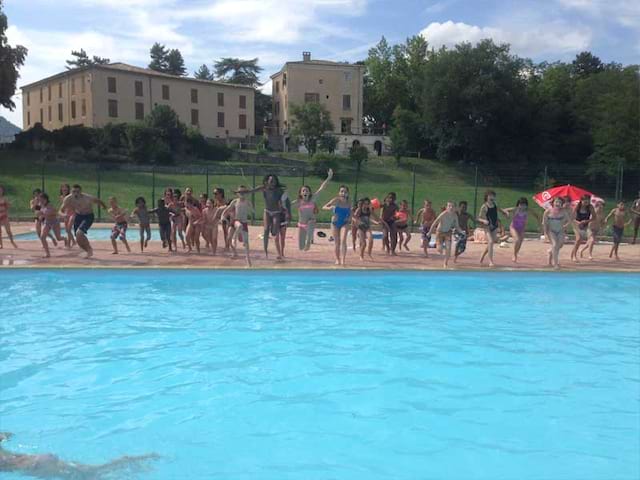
pixel 337 86
pixel 120 93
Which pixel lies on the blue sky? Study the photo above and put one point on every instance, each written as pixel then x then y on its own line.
pixel 279 30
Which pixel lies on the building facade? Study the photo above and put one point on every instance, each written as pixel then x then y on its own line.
pixel 337 86
pixel 120 93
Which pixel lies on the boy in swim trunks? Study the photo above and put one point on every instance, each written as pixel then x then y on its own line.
pixel 4 217
pixel 143 221
pixel 444 226
pixel 242 208
pixel 618 214
pixel 119 230
pixel 428 215
pixel 164 222
pixel 388 216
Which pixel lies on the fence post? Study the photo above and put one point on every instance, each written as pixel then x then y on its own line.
pixel 475 195
pixel 303 175
pixel 546 179
pixel 153 187
pixel 355 197
pixel 207 189
pixel 42 177
pixel 253 196
pixel 413 190
pixel 621 181
pixel 99 190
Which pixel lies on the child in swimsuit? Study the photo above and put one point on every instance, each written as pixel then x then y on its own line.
pixel 583 215
pixel 444 227
pixel 554 222
pixel 389 233
pixel 635 210
pixel 618 215
pixel 242 208
pixel 69 214
pixel 519 217
pixel 428 215
pixel 221 203
pixel 488 218
pixel 50 223
pixel 119 230
pixel 594 229
pixel 339 222
pixel 164 223
pixel 403 218
pixel 5 205
pixel 363 216
pixel 177 219
pixel 211 217
pixel 143 221
pixel 307 211
pixel 194 226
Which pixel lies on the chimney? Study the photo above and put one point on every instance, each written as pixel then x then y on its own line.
pixel 306 56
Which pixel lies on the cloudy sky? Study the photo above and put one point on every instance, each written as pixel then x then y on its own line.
pixel 279 30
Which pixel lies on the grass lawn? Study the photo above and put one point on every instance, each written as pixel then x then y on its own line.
pixel 21 172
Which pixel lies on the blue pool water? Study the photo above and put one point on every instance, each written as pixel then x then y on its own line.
pixel 133 234
pixel 325 375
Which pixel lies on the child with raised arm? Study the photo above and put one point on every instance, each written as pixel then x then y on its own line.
pixel 488 218
pixel 119 230
pixel 403 220
pixel 444 227
pixel 618 215
pixel 519 217
pixel 427 215
pixel 597 224
pixel 144 223
pixel 164 223
pixel 341 207
pixel 554 222
pixel 307 211
pixel 363 217
pixel 242 208
pixel 50 223
pixel 5 205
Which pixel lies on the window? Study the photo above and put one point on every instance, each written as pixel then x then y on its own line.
pixel 73 86
pixel 243 101
pixel 83 88
pixel 221 119
pixel 284 80
pixel 320 81
pixel 221 99
pixel 40 94
pixel 194 95
pixel 165 92
pixel 49 113
pixel 139 111
pixel 138 88
pixel 49 92
pixel 113 108
pixel 60 117
pixel 195 117
pixel 41 116
pixel 311 98
pixel 276 109
pixel 345 125
pixel 73 109
pixel 28 118
pixel 60 90
pixel 111 84
pixel 242 122
pixel 346 102
pixel 277 87
pixel 83 108
pixel 28 99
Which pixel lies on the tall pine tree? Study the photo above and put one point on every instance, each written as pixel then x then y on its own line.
pixel 159 61
pixel 203 73
pixel 175 63
pixel 82 60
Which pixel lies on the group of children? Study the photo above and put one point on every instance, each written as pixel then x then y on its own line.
pixel 197 222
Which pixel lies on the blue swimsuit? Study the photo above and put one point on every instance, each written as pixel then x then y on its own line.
pixel 342 216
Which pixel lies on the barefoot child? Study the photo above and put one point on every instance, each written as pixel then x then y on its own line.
pixel 50 223
pixel 444 227
pixel 428 215
pixel 363 216
pixel 488 218
pixel 389 233
pixel 65 190
pixel 594 229
pixel 143 222
pixel 194 224
pixel 4 217
pixel 519 216
pixel 35 205
pixel 242 208
pixel 211 218
pixel 403 220
pixel 583 215
pixel 307 211
pixel 119 230
pixel 554 222
pixel 635 210
pixel 618 214
pixel 341 208
pixel 164 223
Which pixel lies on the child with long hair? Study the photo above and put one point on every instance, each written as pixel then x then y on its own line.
pixel 226 220
pixel 307 211
pixel 597 224
pixel 488 218
pixel 144 223
pixel 50 223
pixel 388 216
pixel 5 205
pixel 177 218
pixel 341 208
pixel 164 222
pixel 583 215
pixel 519 217
pixel 272 190
pixel 403 220
pixel 363 217
pixel 554 222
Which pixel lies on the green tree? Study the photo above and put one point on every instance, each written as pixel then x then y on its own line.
pixel 586 64
pixel 81 59
pixel 203 73
pixel 311 121
pixel 238 71
pixel 159 61
pixel 11 59
pixel 262 109
pixel 171 129
pixel 328 143
pixel 175 63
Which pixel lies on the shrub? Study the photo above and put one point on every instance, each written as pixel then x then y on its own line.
pixel 145 144
pixel 358 155
pixel 74 136
pixel 322 162
pixel 199 146
pixel 328 143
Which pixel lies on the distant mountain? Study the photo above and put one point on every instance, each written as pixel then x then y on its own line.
pixel 7 130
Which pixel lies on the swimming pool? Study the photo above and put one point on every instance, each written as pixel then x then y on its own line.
pixel 133 234
pixel 316 375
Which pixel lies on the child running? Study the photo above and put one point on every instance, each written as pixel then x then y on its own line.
pixel 210 218
pixel 242 208
pixel 583 215
pixel 488 217
pixel 389 233
pixel 164 222
pixel 143 222
pixel 65 190
pixel 428 215
pixel 520 215
pixel 554 222
pixel 444 227
pixel 635 210
pixel 5 205
pixel 403 219
pixel 618 214
pixel 597 224
pixel 177 218
pixel 307 211
pixel 341 208
pixel 194 225
pixel 221 203
pixel 50 223
pixel 119 230
pixel 363 216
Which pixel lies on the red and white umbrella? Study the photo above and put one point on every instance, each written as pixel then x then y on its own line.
pixel 545 199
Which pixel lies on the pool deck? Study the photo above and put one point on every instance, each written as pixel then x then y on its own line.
pixel 532 256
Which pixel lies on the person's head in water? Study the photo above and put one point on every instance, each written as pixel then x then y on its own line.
pixel 343 192
pixel 141 202
pixel 65 189
pixel 490 197
pixel 463 205
pixel 76 191
pixel 304 193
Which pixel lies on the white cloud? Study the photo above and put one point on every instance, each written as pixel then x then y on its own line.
pixel 534 40
pixel 624 12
